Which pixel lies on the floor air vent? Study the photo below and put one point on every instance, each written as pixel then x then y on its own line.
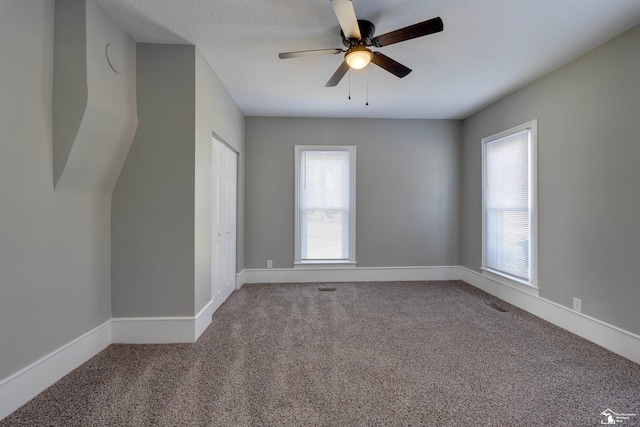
pixel 496 307
pixel 326 289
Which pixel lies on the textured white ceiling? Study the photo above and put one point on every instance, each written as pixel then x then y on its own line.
pixel 488 48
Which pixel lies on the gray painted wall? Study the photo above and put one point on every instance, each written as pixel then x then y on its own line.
pixel 70 90
pixel 109 119
pixel 406 188
pixel 152 245
pixel 93 128
pixel 215 112
pixel 54 245
pixel 161 248
pixel 589 207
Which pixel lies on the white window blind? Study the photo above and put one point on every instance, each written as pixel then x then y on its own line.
pixel 324 204
pixel 509 204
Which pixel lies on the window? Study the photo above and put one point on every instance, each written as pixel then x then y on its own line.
pixel 325 204
pixel 509 202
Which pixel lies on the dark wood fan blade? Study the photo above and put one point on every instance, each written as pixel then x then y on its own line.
pixel 394 67
pixel 338 75
pixel 346 15
pixel 303 53
pixel 431 26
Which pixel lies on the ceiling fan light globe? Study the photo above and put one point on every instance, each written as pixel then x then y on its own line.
pixel 358 57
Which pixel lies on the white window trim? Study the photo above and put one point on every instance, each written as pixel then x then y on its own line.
pixel 324 264
pixel 532 126
pixel 351 262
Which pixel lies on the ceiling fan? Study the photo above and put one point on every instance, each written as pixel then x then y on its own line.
pixel 357 36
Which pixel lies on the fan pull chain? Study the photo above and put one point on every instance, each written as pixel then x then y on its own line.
pixel 367 78
pixel 349 83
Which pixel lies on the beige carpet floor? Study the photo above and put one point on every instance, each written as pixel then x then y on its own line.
pixel 366 354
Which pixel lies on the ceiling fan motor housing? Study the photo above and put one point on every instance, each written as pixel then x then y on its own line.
pixel 367 29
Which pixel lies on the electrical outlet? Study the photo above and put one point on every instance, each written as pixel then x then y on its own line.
pixel 577 304
pixel 269 263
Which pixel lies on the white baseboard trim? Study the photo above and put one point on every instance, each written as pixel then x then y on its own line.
pixel 165 330
pixel 612 338
pixel 240 279
pixel 24 385
pixel 203 318
pixel 358 274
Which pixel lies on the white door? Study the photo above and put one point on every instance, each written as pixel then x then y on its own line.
pixel 223 222
pixel 230 179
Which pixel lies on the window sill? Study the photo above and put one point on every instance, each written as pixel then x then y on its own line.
pixel 320 264
pixel 510 281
